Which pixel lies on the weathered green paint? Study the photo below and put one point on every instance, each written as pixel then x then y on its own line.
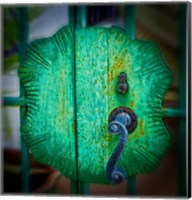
pixel 48 125
pixel 100 55
pixel 92 103
pixel 74 189
pixel 81 20
pixel 148 78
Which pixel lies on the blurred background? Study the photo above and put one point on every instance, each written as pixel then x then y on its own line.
pixel 165 25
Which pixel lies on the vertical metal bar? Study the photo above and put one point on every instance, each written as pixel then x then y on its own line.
pixel 23 34
pixel 83 188
pixel 129 24
pixel 130 13
pixel 71 13
pixel 132 185
pixel 81 16
pixel 182 175
pixel 73 187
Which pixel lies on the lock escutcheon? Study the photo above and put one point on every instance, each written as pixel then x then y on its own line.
pixel 122 86
pixel 122 114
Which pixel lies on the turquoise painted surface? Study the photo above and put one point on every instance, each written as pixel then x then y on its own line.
pixel 100 55
pixel 148 78
pixel 48 125
pixel 92 103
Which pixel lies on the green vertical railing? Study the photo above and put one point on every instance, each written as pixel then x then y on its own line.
pixel 182 175
pixel 130 17
pixel 23 37
pixel 81 16
pixel 23 34
pixel 77 16
pixel 169 112
pixel 129 24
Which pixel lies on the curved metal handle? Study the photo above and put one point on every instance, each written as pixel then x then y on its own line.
pixel 118 126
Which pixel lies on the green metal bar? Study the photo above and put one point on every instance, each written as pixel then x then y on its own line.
pixel 132 185
pixel 129 24
pixel 23 34
pixel 170 112
pixel 81 16
pixel 73 187
pixel 11 101
pixel 182 175
pixel 71 13
pixel 83 188
pixel 130 14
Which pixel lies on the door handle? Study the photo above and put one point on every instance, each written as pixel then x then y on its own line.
pixel 122 121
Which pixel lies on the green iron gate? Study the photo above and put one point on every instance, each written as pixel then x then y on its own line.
pixel 78 15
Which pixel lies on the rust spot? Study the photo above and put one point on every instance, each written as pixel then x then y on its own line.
pixel 133 94
pixel 104 128
pixel 107 138
pixel 132 104
pixel 141 127
pixel 139 131
pixel 118 66
pixel 73 126
pixel 114 71
pixel 118 40
pixel 133 101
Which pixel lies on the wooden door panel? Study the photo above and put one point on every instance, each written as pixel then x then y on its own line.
pixel 148 79
pixel 92 103
pixel 70 82
pixel 48 116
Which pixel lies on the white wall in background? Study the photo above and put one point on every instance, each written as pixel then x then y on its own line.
pixel 49 22
pixel 43 26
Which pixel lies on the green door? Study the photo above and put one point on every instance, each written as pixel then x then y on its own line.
pixel 70 82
